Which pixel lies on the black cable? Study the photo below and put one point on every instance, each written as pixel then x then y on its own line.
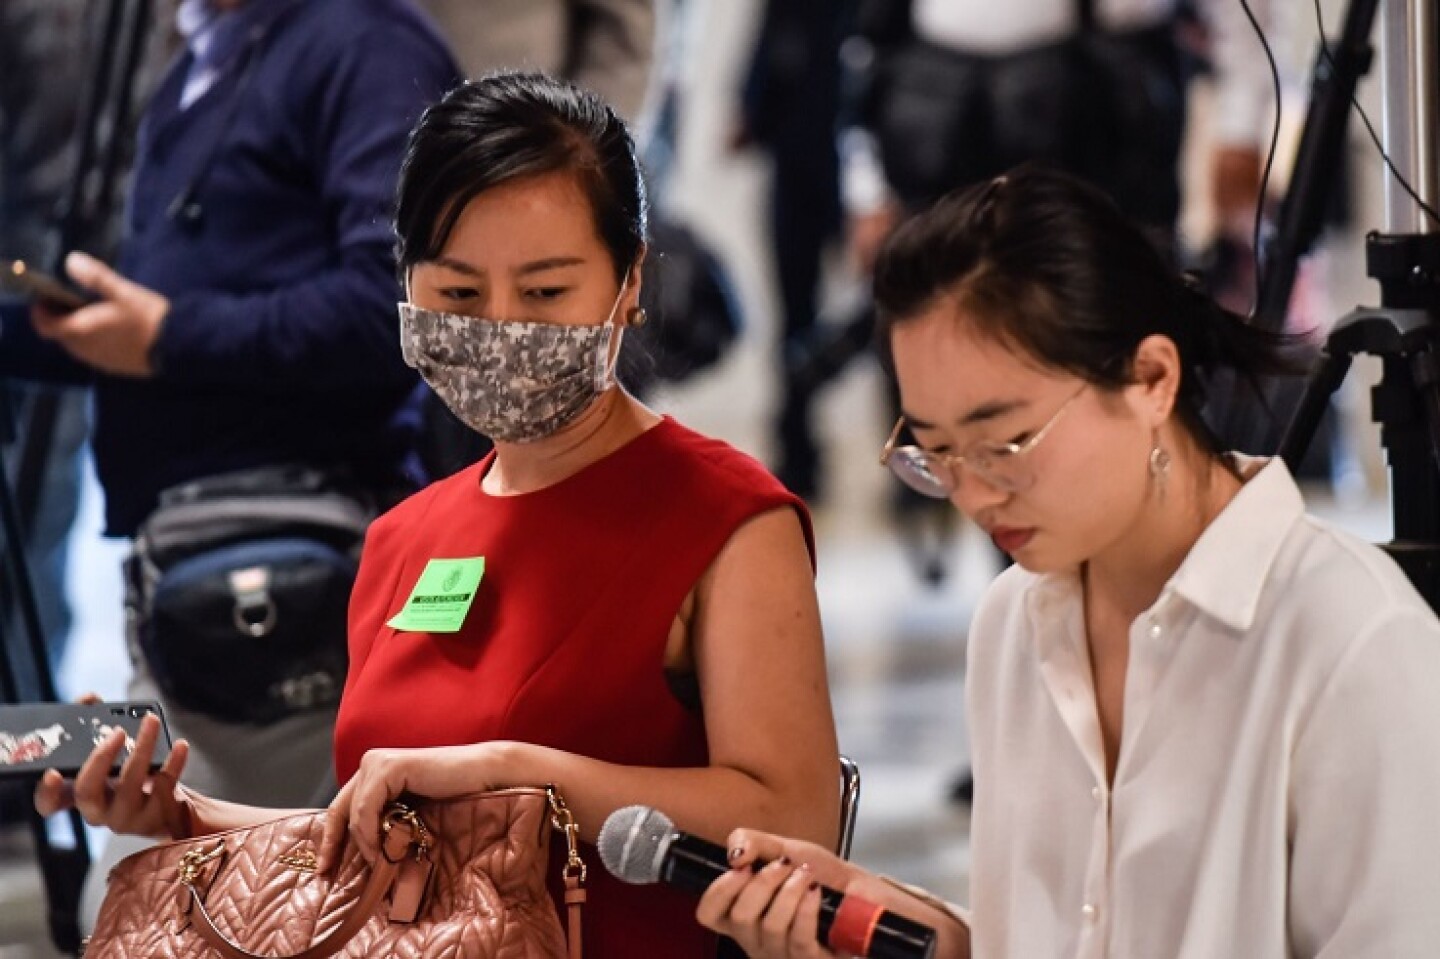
pixel 1374 137
pixel 1269 159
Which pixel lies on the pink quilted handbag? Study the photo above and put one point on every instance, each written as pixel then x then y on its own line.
pixel 460 878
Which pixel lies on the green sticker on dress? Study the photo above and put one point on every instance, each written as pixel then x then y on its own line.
pixel 442 597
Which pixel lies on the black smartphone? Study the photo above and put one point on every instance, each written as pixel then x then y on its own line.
pixel 21 277
pixel 35 737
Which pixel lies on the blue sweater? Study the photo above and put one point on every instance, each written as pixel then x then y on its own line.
pixel 280 344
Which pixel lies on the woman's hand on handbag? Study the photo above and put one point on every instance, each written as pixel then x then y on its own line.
pixel 437 772
pixel 134 803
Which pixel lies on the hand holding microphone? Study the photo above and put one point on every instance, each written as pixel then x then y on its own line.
pixel 640 845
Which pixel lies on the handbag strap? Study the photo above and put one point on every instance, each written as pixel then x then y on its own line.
pixel 574 899
pixel 395 848
pixel 574 873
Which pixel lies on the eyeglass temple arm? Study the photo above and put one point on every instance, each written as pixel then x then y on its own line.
pixel 889 446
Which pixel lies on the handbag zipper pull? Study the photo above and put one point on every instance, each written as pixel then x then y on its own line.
pixel 412 883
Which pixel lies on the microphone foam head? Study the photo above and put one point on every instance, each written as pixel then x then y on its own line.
pixel 633 842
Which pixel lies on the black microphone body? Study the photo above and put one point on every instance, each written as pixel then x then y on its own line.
pixel 692 864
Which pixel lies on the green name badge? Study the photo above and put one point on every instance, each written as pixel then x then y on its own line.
pixel 442 597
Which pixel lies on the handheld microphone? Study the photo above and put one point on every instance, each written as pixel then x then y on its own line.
pixel 640 845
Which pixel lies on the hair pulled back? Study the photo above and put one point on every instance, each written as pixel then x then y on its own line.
pixel 509 125
pixel 1048 264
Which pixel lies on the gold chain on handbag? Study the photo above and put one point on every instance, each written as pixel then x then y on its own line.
pixel 562 819
pixel 574 873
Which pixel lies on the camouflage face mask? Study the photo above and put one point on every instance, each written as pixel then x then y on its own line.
pixel 515 382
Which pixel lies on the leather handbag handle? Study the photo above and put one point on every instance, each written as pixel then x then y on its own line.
pixel 382 876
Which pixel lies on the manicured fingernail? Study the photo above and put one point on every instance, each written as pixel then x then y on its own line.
pixel 784 860
pixel 736 852
pixel 814 886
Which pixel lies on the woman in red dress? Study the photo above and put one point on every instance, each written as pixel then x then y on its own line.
pixel 639 622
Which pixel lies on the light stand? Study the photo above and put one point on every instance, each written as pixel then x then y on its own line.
pixel 1403 331
pixel 62 869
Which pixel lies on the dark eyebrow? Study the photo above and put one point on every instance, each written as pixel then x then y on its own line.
pixel 459 266
pixel 980 414
pixel 536 266
pixel 553 263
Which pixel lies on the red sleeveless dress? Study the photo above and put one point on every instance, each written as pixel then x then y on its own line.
pixel 563 645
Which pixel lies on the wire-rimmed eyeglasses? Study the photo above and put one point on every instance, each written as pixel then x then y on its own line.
pixel 1004 466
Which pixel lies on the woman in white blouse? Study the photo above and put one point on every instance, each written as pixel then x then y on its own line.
pixel 1203 723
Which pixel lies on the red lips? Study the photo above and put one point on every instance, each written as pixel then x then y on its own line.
pixel 1009 540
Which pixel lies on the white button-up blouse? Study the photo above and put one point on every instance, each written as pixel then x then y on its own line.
pixel 1278 786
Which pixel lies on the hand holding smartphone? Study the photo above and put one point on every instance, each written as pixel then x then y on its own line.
pixel 21 277
pixel 35 737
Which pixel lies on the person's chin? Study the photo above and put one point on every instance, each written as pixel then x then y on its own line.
pixel 1039 556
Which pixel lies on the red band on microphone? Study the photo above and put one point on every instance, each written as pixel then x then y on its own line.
pixel 854 926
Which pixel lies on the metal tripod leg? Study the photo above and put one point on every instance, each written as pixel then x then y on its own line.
pixel 63 870
pixel 1325 378
pixel 1406 404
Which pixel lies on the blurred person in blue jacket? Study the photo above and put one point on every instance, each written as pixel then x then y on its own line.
pixel 250 320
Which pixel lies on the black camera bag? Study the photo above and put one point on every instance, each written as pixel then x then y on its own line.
pixel 238 589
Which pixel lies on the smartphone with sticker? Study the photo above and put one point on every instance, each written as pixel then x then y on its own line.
pixel 20 277
pixel 35 737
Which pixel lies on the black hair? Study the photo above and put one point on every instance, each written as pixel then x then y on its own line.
pixel 505 126
pixel 1048 264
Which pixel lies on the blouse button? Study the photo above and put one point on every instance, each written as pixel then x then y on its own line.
pixel 1096 792
pixel 1089 911
pixel 1155 630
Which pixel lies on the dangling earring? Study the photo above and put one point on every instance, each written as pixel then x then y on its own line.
pixel 1159 467
pixel 636 316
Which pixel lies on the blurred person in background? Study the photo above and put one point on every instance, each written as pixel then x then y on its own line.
pixel 790 108
pixel 960 91
pixel 42 63
pixel 249 321
pixel 42 47
pixel 949 92
pixel 603 45
pixel 46 52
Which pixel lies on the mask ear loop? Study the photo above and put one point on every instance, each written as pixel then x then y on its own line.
pixel 407 309
pixel 613 337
